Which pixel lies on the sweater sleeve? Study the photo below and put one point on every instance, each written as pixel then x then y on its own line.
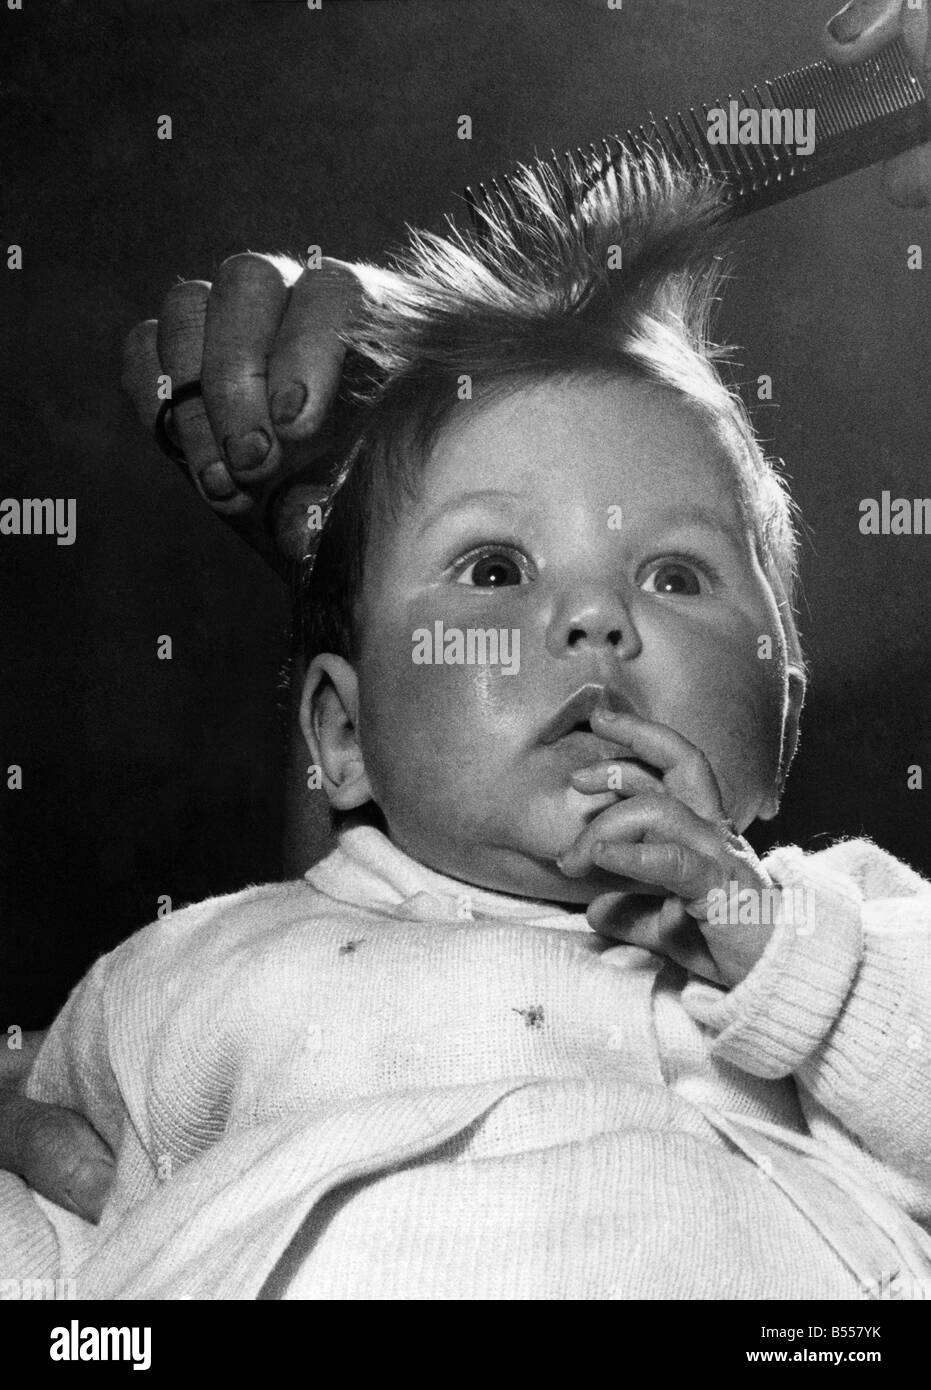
pixel 841 1000
pixel 36 1238
pixel 81 1066
pixel 73 1066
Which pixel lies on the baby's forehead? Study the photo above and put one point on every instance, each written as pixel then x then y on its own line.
pixel 586 443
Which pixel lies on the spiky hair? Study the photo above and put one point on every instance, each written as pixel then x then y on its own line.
pixel 613 276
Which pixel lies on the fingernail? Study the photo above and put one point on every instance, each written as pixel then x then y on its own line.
pixel 248 451
pixel 216 482
pixel 847 24
pixel 288 403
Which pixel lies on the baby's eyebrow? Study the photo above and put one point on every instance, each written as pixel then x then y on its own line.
pixel 677 514
pixel 693 514
pixel 483 497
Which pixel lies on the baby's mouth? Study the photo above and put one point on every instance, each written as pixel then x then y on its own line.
pixel 573 719
pixel 570 731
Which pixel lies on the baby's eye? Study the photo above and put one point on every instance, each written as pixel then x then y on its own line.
pixel 491 569
pixel 673 577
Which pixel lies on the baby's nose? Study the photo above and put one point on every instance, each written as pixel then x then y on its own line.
pixel 593 633
pixel 602 622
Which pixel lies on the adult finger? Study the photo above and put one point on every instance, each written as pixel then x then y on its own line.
pixel 906 180
pixel 142 375
pixel 861 29
pixel 57 1153
pixel 244 312
pixel 307 356
pixel 141 370
pixel 296 518
pixel 858 31
pixel 180 346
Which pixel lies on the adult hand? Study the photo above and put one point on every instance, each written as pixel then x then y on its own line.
pixel 858 31
pixel 263 340
pixel 53 1149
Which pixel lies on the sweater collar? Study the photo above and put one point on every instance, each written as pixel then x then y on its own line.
pixel 367 870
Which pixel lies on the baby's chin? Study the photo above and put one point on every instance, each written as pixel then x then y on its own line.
pixel 522 861
pixel 546 828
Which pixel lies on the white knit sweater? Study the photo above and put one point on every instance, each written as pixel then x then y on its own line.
pixel 380 1083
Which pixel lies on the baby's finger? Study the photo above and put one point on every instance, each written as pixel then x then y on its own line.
pixel 664 929
pixel 180 350
pixel 57 1153
pixel 621 775
pixel 686 771
pixel 659 818
pixel 679 869
pixel 244 311
pixel 307 354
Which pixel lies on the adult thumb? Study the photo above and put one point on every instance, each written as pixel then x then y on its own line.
pixel 857 32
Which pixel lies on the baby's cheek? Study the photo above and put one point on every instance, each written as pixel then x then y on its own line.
pixel 749 736
pixel 728 702
pixel 430 727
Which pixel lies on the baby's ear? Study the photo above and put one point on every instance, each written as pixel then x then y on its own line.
pixel 329 720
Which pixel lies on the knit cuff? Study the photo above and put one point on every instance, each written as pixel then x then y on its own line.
pixel 774 1019
pixel 28 1244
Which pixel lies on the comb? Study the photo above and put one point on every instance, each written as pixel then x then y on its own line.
pixel 870 111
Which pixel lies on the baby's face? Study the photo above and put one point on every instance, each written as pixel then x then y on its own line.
pixel 599 521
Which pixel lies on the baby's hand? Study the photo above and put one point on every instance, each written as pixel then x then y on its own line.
pixel 673 842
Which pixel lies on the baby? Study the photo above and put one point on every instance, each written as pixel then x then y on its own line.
pixel 542 1025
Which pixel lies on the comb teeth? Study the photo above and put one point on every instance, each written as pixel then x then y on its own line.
pixel 864 113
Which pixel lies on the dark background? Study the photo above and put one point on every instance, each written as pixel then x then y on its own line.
pixel 146 777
